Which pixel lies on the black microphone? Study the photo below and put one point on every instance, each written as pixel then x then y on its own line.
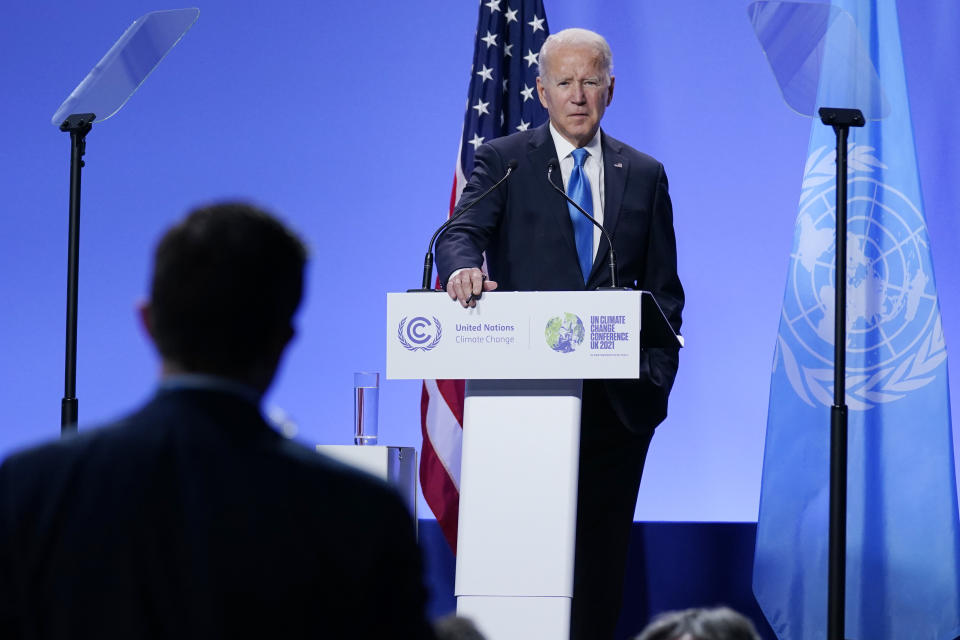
pixel 613 255
pixel 428 259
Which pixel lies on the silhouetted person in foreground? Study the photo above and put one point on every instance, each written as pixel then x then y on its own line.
pixel 720 623
pixel 454 627
pixel 192 518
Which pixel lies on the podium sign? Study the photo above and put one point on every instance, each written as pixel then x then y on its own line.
pixel 514 335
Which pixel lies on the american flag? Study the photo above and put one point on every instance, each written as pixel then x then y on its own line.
pixel 502 100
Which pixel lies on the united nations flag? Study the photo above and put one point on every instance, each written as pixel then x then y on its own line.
pixel 903 539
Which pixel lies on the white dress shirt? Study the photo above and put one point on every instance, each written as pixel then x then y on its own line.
pixel 592 166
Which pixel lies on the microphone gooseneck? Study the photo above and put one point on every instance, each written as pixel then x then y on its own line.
pixel 613 255
pixel 428 258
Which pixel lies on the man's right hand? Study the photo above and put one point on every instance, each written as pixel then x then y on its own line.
pixel 467 285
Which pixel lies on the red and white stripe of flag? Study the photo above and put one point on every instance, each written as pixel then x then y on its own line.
pixel 441 422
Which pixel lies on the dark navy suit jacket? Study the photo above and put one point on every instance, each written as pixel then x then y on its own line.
pixel 192 518
pixel 525 228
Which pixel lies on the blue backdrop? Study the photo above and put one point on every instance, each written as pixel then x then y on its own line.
pixel 344 118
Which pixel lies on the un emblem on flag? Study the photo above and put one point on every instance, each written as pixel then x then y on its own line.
pixel 894 336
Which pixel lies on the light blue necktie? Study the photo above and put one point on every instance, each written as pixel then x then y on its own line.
pixel 578 188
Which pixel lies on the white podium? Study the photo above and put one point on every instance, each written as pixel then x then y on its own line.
pixel 523 355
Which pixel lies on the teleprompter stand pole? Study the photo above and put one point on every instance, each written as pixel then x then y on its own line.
pixel 79 126
pixel 841 120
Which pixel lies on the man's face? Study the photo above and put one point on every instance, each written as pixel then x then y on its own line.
pixel 575 92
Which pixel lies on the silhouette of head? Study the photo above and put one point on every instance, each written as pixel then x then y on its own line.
pixel 226 283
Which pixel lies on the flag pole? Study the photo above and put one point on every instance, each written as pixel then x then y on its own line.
pixel 841 120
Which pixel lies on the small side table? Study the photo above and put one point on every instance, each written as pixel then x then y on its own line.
pixel 397 466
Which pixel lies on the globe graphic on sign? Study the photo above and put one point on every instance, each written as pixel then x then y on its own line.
pixel 891 301
pixel 564 333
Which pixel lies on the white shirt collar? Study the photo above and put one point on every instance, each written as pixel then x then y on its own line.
pixel 207 382
pixel 565 148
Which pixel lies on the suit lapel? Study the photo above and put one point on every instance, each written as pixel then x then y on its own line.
pixel 542 150
pixel 615 168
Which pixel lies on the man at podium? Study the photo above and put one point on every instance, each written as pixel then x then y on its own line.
pixel 535 241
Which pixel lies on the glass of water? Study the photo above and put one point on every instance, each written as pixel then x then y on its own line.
pixel 366 392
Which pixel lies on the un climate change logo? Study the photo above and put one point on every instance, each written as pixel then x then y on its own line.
pixel 894 335
pixel 420 334
pixel 564 333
